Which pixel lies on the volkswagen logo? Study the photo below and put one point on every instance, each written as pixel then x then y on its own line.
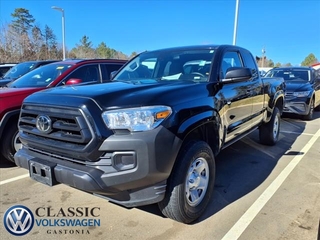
pixel 18 220
pixel 43 124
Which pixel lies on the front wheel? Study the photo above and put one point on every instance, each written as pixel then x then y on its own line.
pixel 190 184
pixel 269 132
pixel 10 144
pixel 309 116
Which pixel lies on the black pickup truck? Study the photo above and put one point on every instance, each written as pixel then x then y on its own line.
pixel 151 134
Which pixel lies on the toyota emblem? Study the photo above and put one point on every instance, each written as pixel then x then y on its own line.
pixel 43 124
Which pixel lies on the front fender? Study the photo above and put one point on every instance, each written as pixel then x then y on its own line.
pixel 274 97
pixel 211 123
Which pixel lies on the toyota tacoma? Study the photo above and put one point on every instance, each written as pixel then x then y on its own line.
pixel 151 135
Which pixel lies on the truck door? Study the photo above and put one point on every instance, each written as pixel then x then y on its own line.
pixel 255 88
pixel 235 97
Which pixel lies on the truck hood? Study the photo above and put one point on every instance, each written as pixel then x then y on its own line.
pixel 9 92
pixel 296 85
pixel 124 94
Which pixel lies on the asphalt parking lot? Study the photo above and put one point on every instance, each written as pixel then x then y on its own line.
pixel 261 192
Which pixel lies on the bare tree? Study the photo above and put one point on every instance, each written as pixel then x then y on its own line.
pixel 23 40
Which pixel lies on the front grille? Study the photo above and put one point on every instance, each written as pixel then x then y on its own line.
pixel 289 94
pixel 69 127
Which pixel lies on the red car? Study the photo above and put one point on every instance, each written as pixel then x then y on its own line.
pixel 52 75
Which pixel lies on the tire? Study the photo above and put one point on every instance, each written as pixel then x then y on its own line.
pixel 309 116
pixel 317 108
pixel 10 142
pixel 269 132
pixel 192 176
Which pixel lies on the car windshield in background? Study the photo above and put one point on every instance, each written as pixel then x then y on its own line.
pixel 19 70
pixel 290 74
pixel 187 65
pixel 40 77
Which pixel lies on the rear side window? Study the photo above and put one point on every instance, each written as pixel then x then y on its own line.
pixel 250 63
pixel 89 73
pixel 3 70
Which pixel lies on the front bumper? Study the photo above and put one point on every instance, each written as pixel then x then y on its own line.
pixel 299 106
pixel 132 171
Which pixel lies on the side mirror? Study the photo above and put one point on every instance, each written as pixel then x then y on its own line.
pixel 112 74
pixel 237 74
pixel 73 81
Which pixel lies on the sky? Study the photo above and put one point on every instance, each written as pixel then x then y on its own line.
pixel 288 30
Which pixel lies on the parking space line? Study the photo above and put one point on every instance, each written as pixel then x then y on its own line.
pixel 14 179
pixel 308 134
pixel 240 226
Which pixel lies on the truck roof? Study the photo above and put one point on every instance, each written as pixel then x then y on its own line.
pixel 200 47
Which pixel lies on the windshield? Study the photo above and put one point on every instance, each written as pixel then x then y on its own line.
pixel 40 77
pixel 290 74
pixel 19 70
pixel 190 65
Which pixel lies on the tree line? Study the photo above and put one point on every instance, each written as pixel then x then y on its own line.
pixel 265 62
pixel 23 40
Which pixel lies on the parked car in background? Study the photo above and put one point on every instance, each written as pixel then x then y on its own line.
pixel 302 94
pixel 22 68
pixel 48 76
pixel 263 70
pixel 5 67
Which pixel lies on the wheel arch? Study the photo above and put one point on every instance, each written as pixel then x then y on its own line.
pixel 203 127
pixel 277 102
pixel 9 118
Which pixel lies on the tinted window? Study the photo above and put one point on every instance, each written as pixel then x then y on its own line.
pixel 3 70
pixel 107 69
pixel 89 73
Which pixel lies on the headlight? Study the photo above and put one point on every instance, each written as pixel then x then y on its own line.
pixel 301 94
pixel 136 119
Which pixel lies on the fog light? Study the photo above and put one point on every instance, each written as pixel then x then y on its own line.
pixel 124 160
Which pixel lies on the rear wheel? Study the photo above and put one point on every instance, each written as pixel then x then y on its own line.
pixel 10 143
pixel 191 183
pixel 269 132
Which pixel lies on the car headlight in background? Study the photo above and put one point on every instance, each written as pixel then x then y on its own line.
pixel 136 119
pixel 301 94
